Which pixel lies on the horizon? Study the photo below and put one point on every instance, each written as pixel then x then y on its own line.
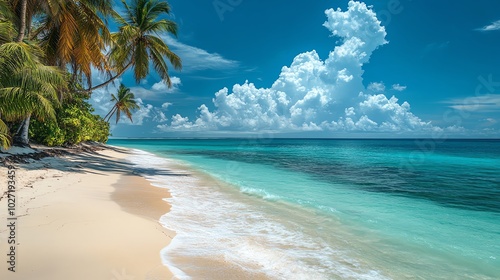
pixel 293 138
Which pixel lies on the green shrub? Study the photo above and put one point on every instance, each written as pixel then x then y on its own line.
pixel 75 123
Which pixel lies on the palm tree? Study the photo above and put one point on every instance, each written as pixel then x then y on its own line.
pixel 27 87
pixel 71 32
pixel 124 102
pixel 137 44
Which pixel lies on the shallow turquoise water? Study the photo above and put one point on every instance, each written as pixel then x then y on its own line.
pixel 360 209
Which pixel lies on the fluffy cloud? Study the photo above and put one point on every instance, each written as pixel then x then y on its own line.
pixel 138 117
pixel 163 87
pixel 314 94
pixel 157 89
pixel 159 86
pixel 376 87
pixel 160 117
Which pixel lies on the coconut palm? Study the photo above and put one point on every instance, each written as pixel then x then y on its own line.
pixel 27 87
pixel 72 35
pixel 138 43
pixel 124 102
pixel 71 32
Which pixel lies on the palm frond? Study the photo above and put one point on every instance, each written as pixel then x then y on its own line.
pixel 162 48
pixel 135 44
pixel 26 85
pixel 163 26
pixel 5 139
pixel 118 18
pixel 141 61
pixel 7 31
pixel 74 32
pixel 157 8
pixel 160 66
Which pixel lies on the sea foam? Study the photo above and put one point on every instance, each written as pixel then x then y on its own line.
pixel 237 232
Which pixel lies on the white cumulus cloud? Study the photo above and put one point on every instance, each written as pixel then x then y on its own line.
pixel 314 94
pixel 157 89
pixel 162 86
pixel 377 87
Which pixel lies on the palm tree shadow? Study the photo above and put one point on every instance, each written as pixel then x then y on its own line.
pixel 99 164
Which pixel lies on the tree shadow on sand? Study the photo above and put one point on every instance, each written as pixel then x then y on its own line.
pixel 85 160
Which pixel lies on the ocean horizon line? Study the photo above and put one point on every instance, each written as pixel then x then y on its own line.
pixel 299 138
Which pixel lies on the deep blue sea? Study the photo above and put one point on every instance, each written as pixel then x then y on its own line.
pixel 328 209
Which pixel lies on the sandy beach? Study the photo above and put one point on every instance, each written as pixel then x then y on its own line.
pixel 84 216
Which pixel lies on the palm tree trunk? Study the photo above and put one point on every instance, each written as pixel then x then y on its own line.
pixel 22 135
pixel 110 111
pixel 22 25
pixel 20 127
pixel 24 128
pixel 110 114
pixel 24 132
pixel 112 78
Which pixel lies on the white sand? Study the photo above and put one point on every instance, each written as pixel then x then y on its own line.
pixel 84 217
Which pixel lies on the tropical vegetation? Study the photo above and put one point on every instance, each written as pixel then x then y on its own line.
pixel 124 103
pixel 49 50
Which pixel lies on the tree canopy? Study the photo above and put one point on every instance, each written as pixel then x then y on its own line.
pixel 48 50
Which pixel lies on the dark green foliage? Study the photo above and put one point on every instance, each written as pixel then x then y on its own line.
pixel 75 123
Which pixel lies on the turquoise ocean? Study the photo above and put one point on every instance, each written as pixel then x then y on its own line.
pixel 327 209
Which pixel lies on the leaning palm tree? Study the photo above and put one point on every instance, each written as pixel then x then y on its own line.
pixel 137 44
pixel 72 33
pixel 124 102
pixel 27 87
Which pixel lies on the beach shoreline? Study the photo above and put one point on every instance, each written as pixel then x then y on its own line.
pixel 108 215
pixel 247 210
pixel 84 216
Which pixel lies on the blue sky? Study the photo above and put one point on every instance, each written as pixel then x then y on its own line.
pixel 381 68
